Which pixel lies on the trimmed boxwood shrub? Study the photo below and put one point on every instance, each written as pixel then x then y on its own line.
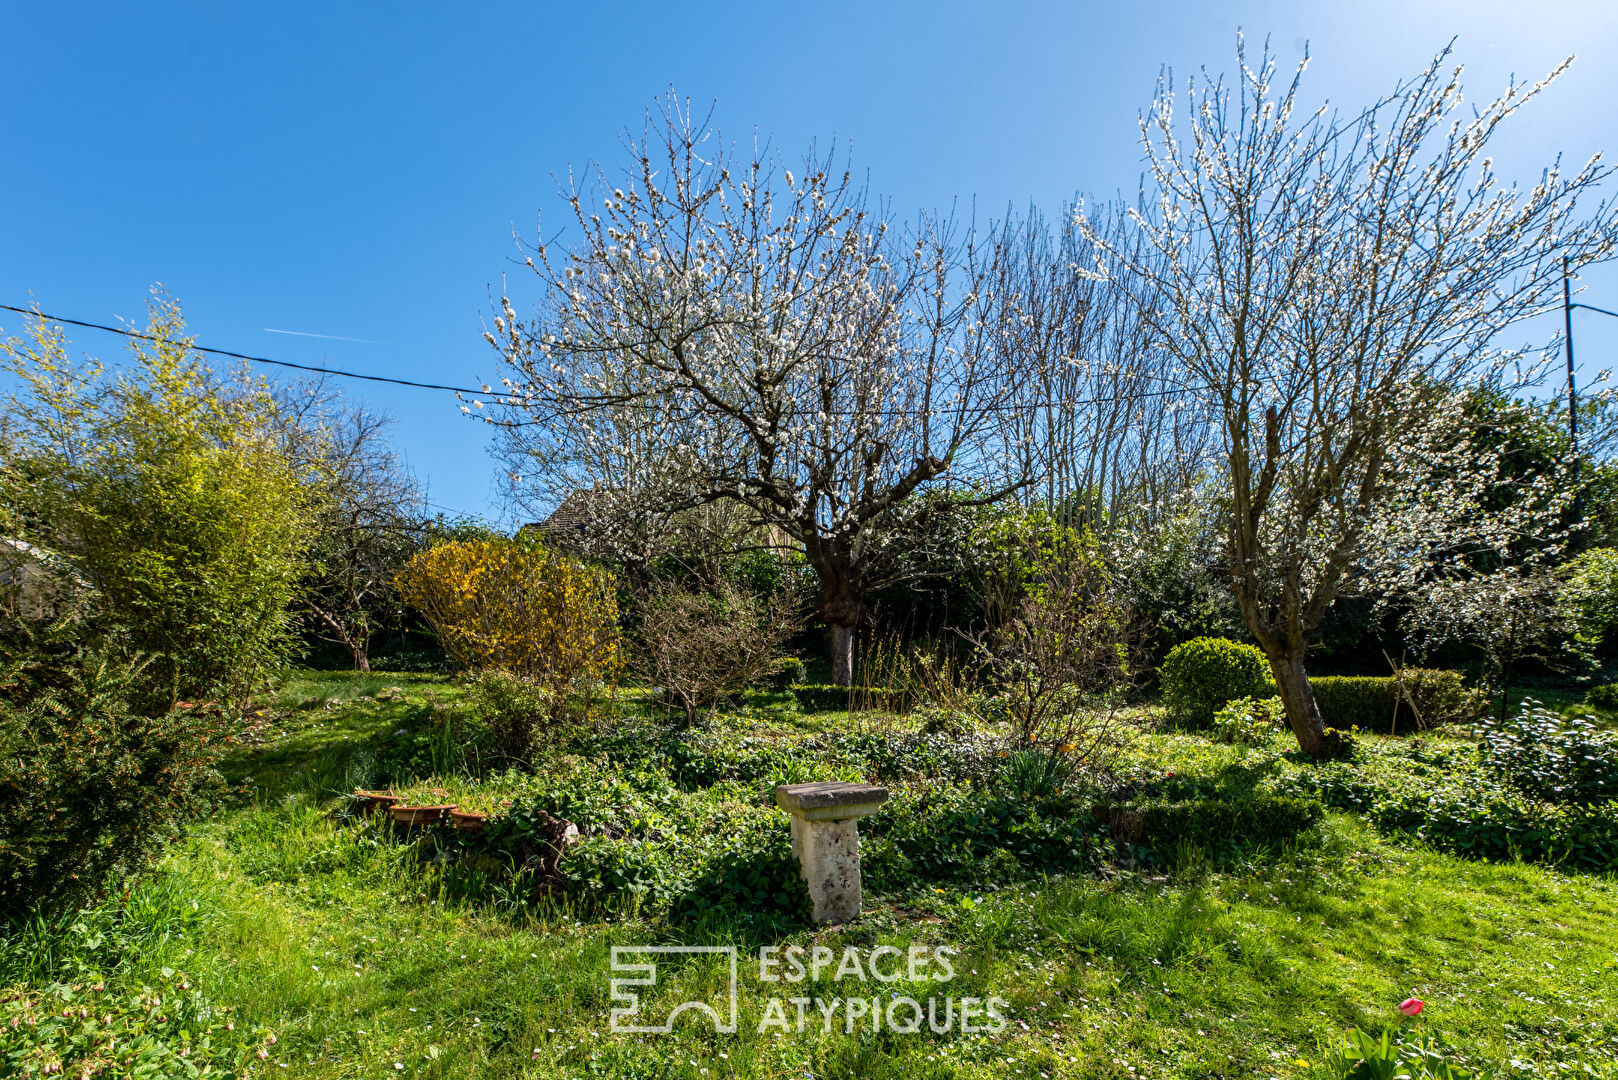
pixel 1217 825
pixel 824 697
pixel 785 673
pixel 1374 703
pixel 1201 675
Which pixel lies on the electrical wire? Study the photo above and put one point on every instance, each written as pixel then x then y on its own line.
pixel 243 356
pixel 511 397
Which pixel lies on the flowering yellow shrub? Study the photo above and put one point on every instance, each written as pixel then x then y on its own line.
pixel 518 607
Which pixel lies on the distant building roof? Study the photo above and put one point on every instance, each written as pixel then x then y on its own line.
pixel 570 517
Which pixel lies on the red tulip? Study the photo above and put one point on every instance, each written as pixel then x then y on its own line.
pixel 1412 1006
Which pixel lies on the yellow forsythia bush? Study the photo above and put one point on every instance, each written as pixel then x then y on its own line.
pixel 512 605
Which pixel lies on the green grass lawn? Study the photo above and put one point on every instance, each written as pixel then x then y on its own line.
pixel 355 950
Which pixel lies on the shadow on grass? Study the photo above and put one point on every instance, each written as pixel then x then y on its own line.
pixel 329 732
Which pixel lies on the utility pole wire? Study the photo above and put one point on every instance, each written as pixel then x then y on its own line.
pixel 243 356
pixel 508 397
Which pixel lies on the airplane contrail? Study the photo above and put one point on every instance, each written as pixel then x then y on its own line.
pixel 328 337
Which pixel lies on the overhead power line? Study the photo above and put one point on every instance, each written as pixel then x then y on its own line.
pixel 509 397
pixel 243 356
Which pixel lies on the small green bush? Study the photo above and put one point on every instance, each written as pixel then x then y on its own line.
pixel 513 710
pixel 757 874
pixel 1523 796
pixel 1604 697
pixel 952 834
pixel 785 673
pixel 90 789
pixel 750 869
pixel 1375 703
pixel 1492 823
pixel 1554 757
pixel 1201 675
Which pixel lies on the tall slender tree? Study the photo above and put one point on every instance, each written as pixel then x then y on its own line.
pixel 1328 279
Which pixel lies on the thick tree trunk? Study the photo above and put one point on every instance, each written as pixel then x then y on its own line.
pixel 840 606
pixel 362 661
pixel 1299 698
pixel 841 646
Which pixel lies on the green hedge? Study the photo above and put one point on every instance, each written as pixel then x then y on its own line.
pixel 1201 675
pixel 1375 703
pixel 1216 825
pixel 823 697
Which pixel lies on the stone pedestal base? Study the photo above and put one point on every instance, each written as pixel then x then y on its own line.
pixel 826 840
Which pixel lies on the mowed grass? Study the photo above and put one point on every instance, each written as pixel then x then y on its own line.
pixel 352 949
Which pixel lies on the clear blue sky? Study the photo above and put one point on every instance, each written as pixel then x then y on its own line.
pixel 357 169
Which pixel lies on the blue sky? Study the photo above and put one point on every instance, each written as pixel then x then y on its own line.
pixel 357 170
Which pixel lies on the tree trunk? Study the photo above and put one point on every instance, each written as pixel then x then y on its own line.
pixel 840 606
pixel 362 662
pixel 1299 698
pixel 842 654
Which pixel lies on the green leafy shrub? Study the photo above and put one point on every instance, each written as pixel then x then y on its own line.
pixel 512 709
pixel 594 796
pixel 1201 675
pixel 79 1030
pixel 747 867
pixel 758 874
pixel 1492 823
pixel 1443 697
pixel 169 487
pixel 1461 802
pixel 89 788
pixel 950 755
pixel 956 835
pixel 1604 697
pixel 602 869
pixel 1589 598
pixel 785 673
pixel 1376 703
pixel 1550 756
pixel 1248 720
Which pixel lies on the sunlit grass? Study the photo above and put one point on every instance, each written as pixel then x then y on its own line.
pixel 355 950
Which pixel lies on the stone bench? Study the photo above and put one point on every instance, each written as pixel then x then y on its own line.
pixel 826 840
